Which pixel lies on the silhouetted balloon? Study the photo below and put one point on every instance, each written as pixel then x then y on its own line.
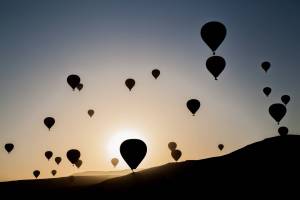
pixel 221 146
pixel 79 86
pixel 9 147
pixel 172 145
pixel 176 154
pixel 49 122
pixel 285 99
pixel 73 156
pixel 283 131
pixel 91 112
pixel 130 83
pixel 277 111
pixel 267 91
pixel 53 172
pixel 266 65
pixel 78 163
pixel 133 152
pixel 215 65
pixel 114 161
pixel 73 80
pixel 36 173
pixel 213 34
pixel 155 73
pixel 57 160
pixel 48 154
pixel 193 105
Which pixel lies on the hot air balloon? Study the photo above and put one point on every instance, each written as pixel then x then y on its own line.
pixel 215 65
pixel 172 145
pixel 193 105
pixel 79 86
pixel 221 146
pixel 49 122
pixel 48 154
pixel 267 91
pixel 73 80
pixel 114 161
pixel 9 147
pixel 78 163
pixel 91 112
pixel 53 172
pixel 277 111
pixel 133 152
pixel 36 173
pixel 73 156
pixel 130 83
pixel 213 34
pixel 266 66
pixel 285 99
pixel 155 73
pixel 283 131
pixel 176 154
pixel 57 160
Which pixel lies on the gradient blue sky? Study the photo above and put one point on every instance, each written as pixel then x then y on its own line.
pixel 105 42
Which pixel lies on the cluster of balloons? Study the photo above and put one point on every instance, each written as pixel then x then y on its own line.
pixel 130 82
pixel 175 153
pixel 74 82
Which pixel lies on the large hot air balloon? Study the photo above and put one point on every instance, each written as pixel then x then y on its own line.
pixel 193 105
pixel 114 161
pixel 172 146
pixel 73 80
pixel 57 160
pixel 277 111
pixel 215 65
pixel 267 91
pixel 79 86
pixel 73 156
pixel 266 66
pixel 91 112
pixel 213 34
pixel 48 154
pixel 283 131
pixel 285 99
pixel 176 154
pixel 49 122
pixel 130 83
pixel 36 173
pixel 155 73
pixel 78 163
pixel 53 172
pixel 9 147
pixel 221 146
pixel 133 152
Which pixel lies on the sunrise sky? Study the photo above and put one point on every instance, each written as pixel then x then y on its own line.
pixel 106 42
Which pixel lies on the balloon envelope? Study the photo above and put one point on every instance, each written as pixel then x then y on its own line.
pixel 73 156
pixel 266 66
pixel 49 122
pixel 78 163
pixel 283 131
pixel 114 161
pixel 36 173
pixel 130 83
pixel 193 105
pixel 213 34
pixel 57 160
pixel 53 172
pixel 155 73
pixel 215 65
pixel 133 152
pixel 172 146
pixel 91 112
pixel 176 154
pixel 79 86
pixel 267 91
pixel 277 111
pixel 48 154
pixel 9 147
pixel 73 80
pixel 221 146
pixel 285 99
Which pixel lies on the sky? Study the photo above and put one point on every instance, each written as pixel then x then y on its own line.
pixel 106 42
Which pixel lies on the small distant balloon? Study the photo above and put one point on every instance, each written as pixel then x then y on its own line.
pixel 176 154
pixel 73 80
pixel 73 156
pixel 53 172
pixel 130 83
pixel 215 65
pixel 57 160
pixel 79 86
pixel 36 173
pixel 9 147
pixel 48 154
pixel 221 147
pixel 285 99
pixel 78 163
pixel 91 112
pixel 172 146
pixel 114 161
pixel 266 66
pixel 133 152
pixel 267 91
pixel 283 131
pixel 49 122
pixel 277 111
pixel 193 105
pixel 155 73
pixel 213 34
